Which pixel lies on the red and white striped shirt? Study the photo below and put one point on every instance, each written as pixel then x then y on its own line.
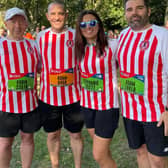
pixel 58 58
pixel 18 72
pixel 144 53
pixel 105 66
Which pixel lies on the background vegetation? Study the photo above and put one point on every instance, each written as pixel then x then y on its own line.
pixel 111 11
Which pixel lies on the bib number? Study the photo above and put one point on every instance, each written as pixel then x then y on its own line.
pixel 132 83
pixel 21 82
pixel 92 82
pixel 61 78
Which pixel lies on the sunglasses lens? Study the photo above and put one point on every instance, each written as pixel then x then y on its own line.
pixel 93 23
pixel 83 25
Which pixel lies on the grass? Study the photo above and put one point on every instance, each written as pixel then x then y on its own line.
pixel 124 157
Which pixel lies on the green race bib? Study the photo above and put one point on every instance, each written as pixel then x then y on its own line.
pixel 132 83
pixel 20 81
pixel 92 82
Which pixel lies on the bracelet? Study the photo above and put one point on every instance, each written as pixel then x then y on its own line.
pixel 166 108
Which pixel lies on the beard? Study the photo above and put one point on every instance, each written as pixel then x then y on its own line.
pixel 137 22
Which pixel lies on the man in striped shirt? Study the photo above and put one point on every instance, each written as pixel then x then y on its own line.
pixel 18 94
pixel 143 62
pixel 59 87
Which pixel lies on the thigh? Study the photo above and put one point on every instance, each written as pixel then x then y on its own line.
pixel 10 124
pixel 89 117
pixel 51 117
pixel 157 143
pixel 30 122
pixel 135 133
pixel 73 118
pixel 106 122
pixel 101 145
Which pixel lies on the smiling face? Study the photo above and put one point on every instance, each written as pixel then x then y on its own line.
pixel 16 27
pixel 90 31
pixel 137 14
pixel 56 16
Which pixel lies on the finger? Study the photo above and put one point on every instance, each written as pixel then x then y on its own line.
pixel 159 123
pixel 165 130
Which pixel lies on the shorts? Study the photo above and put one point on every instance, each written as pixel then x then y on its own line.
pixel 53 117
pixel 11 123
pixel 105 122
pixel 139 133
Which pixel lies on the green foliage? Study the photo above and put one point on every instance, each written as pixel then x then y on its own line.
pixel 158 9
pixel 110 11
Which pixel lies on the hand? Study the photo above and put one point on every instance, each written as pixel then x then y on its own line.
pixel 164 119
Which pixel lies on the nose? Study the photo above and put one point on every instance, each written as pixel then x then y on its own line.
pixel 17 24
pixel 134 11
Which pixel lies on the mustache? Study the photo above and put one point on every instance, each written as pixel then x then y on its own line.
pixel 137 16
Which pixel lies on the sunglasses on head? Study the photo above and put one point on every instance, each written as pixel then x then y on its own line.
pixel 91 23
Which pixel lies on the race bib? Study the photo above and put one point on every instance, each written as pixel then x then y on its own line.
pixel 20 81
pixel 132 83
pixel 92 82
pixel 61 77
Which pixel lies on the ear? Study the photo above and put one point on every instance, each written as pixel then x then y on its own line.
pixel 66 15
pixel 149 11
pixel 5 24
pixel 47 16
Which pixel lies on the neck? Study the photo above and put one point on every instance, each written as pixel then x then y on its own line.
pixel 90 41
pixel 59 31
pixel 14 38
pixel 143 28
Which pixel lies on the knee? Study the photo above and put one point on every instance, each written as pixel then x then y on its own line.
pixel 27 138
pixel 76 136
pixel 157 161
pixel 142 151
pixel 54 136
pixel 97 156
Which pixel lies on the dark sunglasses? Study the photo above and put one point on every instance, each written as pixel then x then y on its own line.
pixel 91 23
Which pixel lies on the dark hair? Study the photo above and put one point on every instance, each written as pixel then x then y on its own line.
pixel 80 41
pixel 146 2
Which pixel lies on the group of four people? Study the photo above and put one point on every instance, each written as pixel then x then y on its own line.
pixel 78 82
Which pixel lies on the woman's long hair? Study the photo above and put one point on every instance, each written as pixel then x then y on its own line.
pixel 80 40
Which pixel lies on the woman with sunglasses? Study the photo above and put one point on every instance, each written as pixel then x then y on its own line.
pixel 99 94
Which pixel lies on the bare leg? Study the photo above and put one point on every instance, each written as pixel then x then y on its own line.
pixel 26 149
pixel 157 162
pixel 77 148
pixel 101 152
pixel 142 157
pixel 5 151
pixel 54 144
pixel 91 132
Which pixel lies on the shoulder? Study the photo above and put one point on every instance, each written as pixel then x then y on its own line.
pixel 124 31
pixel 42 33
pixel 71 30
pixel 113 43
pixel 159 31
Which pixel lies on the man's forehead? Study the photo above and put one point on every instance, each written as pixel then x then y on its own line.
pixel 134 2
pixel 56 7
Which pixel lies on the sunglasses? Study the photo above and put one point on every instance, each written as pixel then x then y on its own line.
pixel 91 23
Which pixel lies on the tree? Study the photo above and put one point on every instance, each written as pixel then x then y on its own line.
pixel 110 11
pixel 158 9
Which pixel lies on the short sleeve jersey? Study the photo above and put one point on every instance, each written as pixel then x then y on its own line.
pixel 18 73
pixel 143 62
pixel 59 84
pixel 99 79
